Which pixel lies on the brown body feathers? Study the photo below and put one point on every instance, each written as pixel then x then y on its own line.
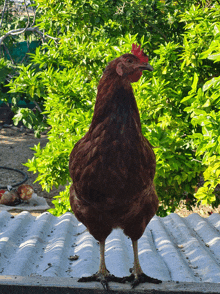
pixel 113 166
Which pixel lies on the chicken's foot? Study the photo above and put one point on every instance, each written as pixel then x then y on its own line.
pixel 137 276
pixel 140 278
pixel 103 279
pixel 103 276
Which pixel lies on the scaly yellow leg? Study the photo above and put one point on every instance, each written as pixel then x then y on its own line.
pixel 102 266
pixel 137 267
pixel 103 276
pixel 137 275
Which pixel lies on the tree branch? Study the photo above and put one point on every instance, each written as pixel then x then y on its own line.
pixel 158 30
pixel 38 107
pixel 20 31
pixel 27 25
pixel 6 49
pixel 3 12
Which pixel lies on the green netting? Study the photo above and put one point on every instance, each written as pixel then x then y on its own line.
pixel 19 50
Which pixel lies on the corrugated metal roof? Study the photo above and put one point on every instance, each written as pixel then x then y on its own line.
pixel 171 249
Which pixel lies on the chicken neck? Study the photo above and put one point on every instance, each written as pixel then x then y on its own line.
pixel 116 105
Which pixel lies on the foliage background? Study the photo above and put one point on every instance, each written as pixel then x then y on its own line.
pixel 178 101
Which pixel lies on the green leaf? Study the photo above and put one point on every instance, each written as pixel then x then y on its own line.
pixel 195 82
pixel 215 57
pixel 209 84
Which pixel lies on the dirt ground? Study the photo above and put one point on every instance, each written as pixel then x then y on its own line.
pixel 15 144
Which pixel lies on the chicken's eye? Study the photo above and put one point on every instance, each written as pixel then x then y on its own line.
pixel 129 60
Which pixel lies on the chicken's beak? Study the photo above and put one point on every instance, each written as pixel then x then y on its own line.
pixel 146 66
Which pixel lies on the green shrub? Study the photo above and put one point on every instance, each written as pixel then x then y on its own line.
pixel 203 101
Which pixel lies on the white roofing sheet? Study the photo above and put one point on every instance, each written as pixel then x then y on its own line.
pixel 171 248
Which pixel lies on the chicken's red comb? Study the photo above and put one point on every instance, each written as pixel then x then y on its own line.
pixel 139 53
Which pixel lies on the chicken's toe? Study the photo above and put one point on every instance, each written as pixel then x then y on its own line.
pixel 141 278
pixel 103 279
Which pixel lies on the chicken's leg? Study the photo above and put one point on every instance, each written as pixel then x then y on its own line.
pixel 138 276
pixel 103 276
pixel 102 266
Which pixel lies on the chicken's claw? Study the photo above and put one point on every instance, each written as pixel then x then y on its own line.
pixel 98 277
pixel 141 278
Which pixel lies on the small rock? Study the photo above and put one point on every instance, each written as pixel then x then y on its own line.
pixel 7 126
pixel 15 128
pixel 73 257
pixel 180 246
pixel 21 129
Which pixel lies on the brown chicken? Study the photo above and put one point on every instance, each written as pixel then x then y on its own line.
pixel 113 166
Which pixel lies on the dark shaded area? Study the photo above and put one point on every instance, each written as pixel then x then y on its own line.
pixel 6 115
pixel 174 288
